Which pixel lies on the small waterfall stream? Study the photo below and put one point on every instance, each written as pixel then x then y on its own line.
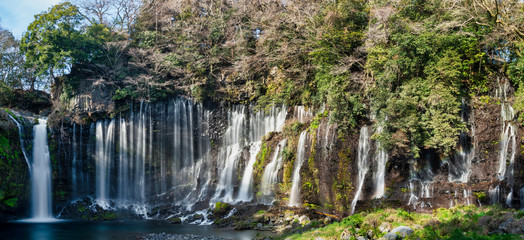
pixel 270 176
pixel 363 164
pixel 301 114
pixel 460 164
pixel 508 146
pixel 381 159
pixel 294 197
pixel 22 142
pixel 246 191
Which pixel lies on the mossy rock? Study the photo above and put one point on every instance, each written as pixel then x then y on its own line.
pixel 221 209
pixel 175 220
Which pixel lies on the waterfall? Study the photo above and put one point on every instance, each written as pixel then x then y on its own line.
pixel 246 192
pixel 191 166
pixel 123 167
pixel 270 176
pixel 41 197
pixel 302 115
pixel 467 197
pixel 509 199
pixel 104 153
pixel 508 142
pixel 420 190
pixel 381 159
pixel 294 197
pixel 74 162
pixel 246 127
pixel 22 142
pixel 229 155
pixel 494 194
pixel 363 164
pixel 260 124
pixel 508 139
pixel 460 164
pixel 165 152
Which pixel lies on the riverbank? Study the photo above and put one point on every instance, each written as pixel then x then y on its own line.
pixel 471 222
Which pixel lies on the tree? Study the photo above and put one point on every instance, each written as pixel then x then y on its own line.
pixel 10 59
pixel 114 14
pixel 95 11
pixel 54 41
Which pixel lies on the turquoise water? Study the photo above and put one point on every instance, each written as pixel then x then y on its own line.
pixel 75 230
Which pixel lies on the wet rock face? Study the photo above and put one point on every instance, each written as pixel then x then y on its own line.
pixel 14 172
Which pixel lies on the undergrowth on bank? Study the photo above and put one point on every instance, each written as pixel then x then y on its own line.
pixel 462 222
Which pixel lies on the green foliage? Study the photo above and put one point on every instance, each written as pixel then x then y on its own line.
pixel 456 223
pixel 343 24
pixel 516 67
pixel 262 160
pixel 421 78
pixel 342 185
pixel 481 196
pixel 122 94
pixel 56 41
pixel 221 209
pixel 52 40
pixel 14 185
pixel 11 202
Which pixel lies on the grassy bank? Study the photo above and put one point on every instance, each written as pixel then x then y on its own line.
pixel 463 222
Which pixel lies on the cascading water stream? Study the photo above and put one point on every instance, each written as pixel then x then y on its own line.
pixel 246 192
pixel 104 154
pixel 41 197
pixel 381 159
pixel 460 165
pixel 270 175
pixel 229 155
pixel 22 143
pixel 294 197
pixel 302 115
pixel 246 128
pixel 508 145
pixel 363 164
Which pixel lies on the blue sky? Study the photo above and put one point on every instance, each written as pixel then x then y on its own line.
pixel 15 15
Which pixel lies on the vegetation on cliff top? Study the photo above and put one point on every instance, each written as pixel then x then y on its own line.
pixel 411 63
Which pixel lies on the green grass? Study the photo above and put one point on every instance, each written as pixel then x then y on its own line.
pixel 461 222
